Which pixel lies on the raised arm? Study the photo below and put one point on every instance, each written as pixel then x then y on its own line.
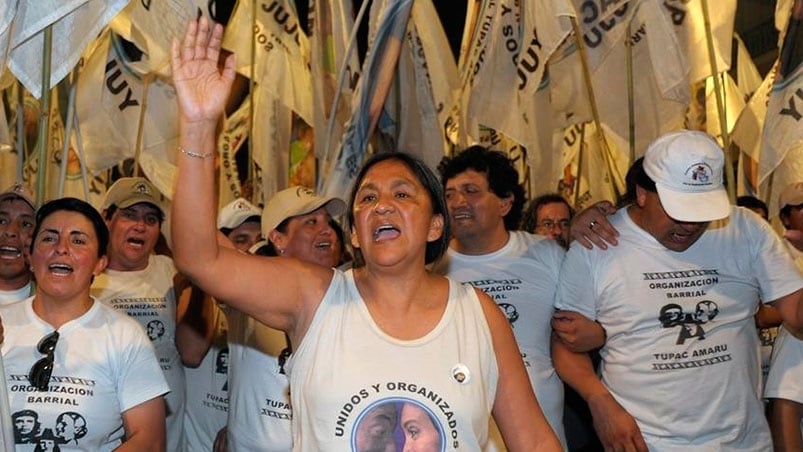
pixel 516 411
pixel 282 293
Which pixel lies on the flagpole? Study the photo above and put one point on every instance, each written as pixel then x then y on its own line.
pixel 44 116
pixel 631 104
pixel 79 149
pixel 21 142
pixel 68 127
pixel 146 87
pixel 250 182
pixel 579 164
pixel 593 102
pixel 723 125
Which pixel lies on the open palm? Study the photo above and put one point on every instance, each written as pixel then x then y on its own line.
pixel 201 85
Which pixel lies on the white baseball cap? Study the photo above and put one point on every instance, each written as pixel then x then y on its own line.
pixel 295 201
pixel 686 167
pixel 235 213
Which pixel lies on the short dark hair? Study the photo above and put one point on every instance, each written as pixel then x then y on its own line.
pixel 636 176
pixel 113 208
pixel 251 219
pixel 503 178
pixel 77 206
pixel 751 202
pixel 530 219
pixel 433 187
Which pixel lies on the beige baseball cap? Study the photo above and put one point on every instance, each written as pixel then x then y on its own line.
pixel 21 191
pixel 127 191
pixel 687 168
pixel 295 201
pixel 792 195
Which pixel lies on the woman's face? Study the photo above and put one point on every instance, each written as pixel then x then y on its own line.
pixel 65 255
pixel 420 434
pixel 393 218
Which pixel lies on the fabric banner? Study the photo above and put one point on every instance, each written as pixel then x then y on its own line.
pixel 270 145
pixel 783 126
pixel 688 20
pixel 75 24
pixel 229 142
pixel 111 94
pixel 282 57
pixel 8 9
pixel 378 71
pixel 152 25
pixel 746 136
pixel 331 22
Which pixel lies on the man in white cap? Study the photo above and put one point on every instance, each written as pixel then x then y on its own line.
pixel 17 219
pixel 783 388
pixel 296 223
pixel 676 298
pixel 145 285
pixel 201 338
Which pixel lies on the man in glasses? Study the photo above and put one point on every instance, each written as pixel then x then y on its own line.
pixel 16 225
pixel 517 269
pixel 549 215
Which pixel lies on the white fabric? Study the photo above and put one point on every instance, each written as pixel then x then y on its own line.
pixel 785 380
pixel 147 296
pixel 103 366
pixel 259 399
pixel 692 380
pixel 10 296
pixel 346 372
pixel 522 278
pixel 207 406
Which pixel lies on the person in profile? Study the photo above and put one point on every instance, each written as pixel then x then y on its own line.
pixel 421 433
pixel 70 427
pixel 374 432
pixel 26 426
pixel 47 442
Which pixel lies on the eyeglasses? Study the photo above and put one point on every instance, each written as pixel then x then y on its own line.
pixel 549 224
pixel 40 372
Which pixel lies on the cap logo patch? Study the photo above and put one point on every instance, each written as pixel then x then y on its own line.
pixel 304 191
pixel 142 188
pixel 699 174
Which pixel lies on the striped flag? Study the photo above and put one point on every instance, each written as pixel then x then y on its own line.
pixel 75 24
pixel 372 90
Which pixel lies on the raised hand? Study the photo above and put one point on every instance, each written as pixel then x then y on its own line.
pixel 202 86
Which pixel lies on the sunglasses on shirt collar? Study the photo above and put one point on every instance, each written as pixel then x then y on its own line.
pixel 39 375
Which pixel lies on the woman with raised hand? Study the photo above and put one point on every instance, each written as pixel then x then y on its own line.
pixel 387 331
pixel 76 366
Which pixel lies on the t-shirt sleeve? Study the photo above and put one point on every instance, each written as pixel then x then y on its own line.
pixel 575 285
pixel 775 268
pixel 140 377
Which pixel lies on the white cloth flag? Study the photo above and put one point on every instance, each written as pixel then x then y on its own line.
pixel 152 25
pixel 426 83
pixel 270 144
pixel 377 73
pixel 659 100
pixel 230 140
pixel 783 125
pixel 110 98
pixel 75 24
pixel 688 20
pixel 8 9
pixel 545 26
pixel 282 52
pixel 331 23
pixel 747 135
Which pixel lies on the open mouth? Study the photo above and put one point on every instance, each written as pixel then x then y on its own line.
pixel 60 269
pixel 136 241
pixel 323 245
pixel 386 232
pixel 10 252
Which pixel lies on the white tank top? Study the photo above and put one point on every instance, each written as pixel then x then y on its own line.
pixel 353 387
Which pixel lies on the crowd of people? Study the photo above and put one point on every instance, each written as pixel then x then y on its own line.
pixel 442 314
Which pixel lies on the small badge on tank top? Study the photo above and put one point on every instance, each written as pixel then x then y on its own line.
pixel 461 374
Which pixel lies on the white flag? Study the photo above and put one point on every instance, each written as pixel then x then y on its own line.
pixel 75 23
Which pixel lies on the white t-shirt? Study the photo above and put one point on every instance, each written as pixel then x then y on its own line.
pixel 10 296
pixel 148 297
pixel 207 392
pixel 522 278
pixel 682 354
pixel 356 388
pixel 259 395
pixel 103 365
